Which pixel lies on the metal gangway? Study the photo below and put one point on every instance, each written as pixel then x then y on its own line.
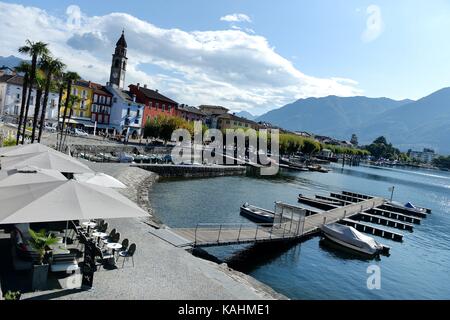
pixel 289 222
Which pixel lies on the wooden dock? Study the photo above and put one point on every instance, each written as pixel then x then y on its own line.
pixel 294 229
pixel 293 223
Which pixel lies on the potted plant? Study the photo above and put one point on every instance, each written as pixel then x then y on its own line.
pixel 40 242
pixel 12 295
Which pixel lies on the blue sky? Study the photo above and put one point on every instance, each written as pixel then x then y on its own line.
pixel 406 56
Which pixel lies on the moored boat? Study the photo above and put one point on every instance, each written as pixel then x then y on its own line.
pixel 257 214
pixel 351 238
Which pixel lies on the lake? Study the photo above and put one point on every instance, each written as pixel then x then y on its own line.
pixel 417 268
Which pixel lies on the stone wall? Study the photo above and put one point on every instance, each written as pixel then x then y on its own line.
pixel 96 149
pixel 192 171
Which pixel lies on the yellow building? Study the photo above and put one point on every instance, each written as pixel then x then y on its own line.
pixel 231 121
pixel 81 115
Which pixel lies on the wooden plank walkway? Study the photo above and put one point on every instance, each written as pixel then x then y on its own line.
pixel 223 234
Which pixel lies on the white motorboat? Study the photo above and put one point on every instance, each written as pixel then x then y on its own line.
pixel 408 206
pixel 351 238
pixel 257 214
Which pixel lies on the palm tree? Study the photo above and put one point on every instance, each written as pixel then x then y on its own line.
pixel 23 67
pixel 70 77
pixel 52 67
pixel 40 84
pixel 35 50
pixel 73 100
pixel 61 85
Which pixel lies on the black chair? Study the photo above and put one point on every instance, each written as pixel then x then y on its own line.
pixel 103 228
pixel 128 254
pixel 109 237
pixel 125 243
pixel 115 238
pixel 104 255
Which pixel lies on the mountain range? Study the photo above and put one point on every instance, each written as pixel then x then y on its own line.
pixel 10 61
pixel 408 124
pixel 246 114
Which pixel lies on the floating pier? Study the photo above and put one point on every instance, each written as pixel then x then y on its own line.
pixel 367 228
pixel 293 223
pixel 383 221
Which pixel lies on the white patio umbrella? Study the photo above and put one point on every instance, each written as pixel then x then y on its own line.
pixel 45 160
pixel 24 149
pixel 63 201
pixel 29 175
pixel 99 179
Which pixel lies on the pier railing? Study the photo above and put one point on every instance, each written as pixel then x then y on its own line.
pixel 228 233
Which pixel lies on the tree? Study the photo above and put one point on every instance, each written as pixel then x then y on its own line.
pixel 380 148
pixel 354 140
pixel 380 140
pixel 23 67
pixel 69 78
pixel 310 146
pixel 40 241
pixel 151 129
pixel 35 50
pixel 40 84
pixel 53 68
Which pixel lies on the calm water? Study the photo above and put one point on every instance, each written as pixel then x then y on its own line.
pixel 418 268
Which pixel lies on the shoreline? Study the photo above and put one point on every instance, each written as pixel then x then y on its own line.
pixel 139 183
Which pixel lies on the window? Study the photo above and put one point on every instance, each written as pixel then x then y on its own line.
pixel 31 99
pixel 18 96
pixel 128 111
pixel 81 114
pixel 84 94
pixel 95 98
pixel 138 113
pixel 163 107
pixel 115 100
pixel 228 121
pixel 157 106
pixel 108 100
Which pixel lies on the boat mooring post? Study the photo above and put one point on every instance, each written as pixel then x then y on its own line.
pixel 391 189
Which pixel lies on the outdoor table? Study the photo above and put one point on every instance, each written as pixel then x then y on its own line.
pixel 89 224
pixel 114 247
pixel 99 235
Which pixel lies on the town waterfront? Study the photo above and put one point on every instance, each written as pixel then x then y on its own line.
pixel 416 269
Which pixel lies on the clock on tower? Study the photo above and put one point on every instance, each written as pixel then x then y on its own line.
pixel 119 63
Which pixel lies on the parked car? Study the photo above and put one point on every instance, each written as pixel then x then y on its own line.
pixel 50 128
pixel 79 132
pixel 125 157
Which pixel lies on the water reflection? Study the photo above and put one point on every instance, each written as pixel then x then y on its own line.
pixel 257 255
pixel 337 251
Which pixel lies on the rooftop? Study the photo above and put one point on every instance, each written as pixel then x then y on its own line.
pixel 152 94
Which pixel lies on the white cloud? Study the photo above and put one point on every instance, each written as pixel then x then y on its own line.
pixel 232 68
pixel 374 24
pixel 236 17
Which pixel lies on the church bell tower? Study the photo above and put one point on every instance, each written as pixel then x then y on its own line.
pixel 119 63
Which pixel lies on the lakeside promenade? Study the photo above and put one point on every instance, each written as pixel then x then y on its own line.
pixel 161 270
